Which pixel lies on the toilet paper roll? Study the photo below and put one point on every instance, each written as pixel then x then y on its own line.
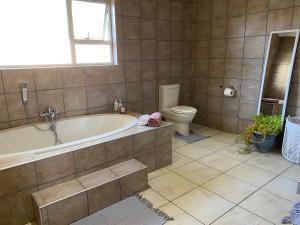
pixel 229 92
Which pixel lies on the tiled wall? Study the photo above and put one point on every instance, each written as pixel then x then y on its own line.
pixel 155 42
pixel 231 39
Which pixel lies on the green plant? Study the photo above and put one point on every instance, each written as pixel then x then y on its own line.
pixel 264 125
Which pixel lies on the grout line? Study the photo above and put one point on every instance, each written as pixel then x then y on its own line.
pixel 222 173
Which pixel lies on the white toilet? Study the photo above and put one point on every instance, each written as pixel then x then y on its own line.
pixel 180 116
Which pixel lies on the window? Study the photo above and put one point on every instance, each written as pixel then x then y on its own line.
pixel 55 32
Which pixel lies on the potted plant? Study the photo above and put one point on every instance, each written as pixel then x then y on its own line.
pixel 263 132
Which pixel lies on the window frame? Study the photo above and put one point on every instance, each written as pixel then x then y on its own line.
pixel 112 42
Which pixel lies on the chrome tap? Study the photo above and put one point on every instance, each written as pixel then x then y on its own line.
pixel 51 113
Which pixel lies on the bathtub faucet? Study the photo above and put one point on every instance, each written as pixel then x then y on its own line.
pixel 52 113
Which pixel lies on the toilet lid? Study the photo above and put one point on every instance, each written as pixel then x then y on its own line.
pixel 183 109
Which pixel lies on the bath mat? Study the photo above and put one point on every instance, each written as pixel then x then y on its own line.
pixel 294 216
pixel 134 210
pixel 193 137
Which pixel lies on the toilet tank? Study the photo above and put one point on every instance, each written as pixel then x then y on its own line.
pixel 168 95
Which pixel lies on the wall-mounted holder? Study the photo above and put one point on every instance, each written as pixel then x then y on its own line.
pixel 229 92
pixel 24 90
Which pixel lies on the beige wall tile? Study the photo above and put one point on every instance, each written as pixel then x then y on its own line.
pixel 148 50
pixel 131 8
pixel 163 9
pixel 97 96
pixel 131 27
pixel 148 70
pixel 254 47
pixel 277 4
pixel 3 109
pixel 51 97
pixel 12 80
pixel 177 10
pixel 133 91
pixel 75 98
pixel 237 7
pixel 218 48
pixel 72 77
pixel 255 6
pixel 17 209
pixel 234 48
pixel 148 8
pixel 256 24
pixel 219 9
pixel 47 79
pixel 280 19
pixel 148 28
pixel 236 26
pixel 103 196
pixel 218 28
pixel 132 50
pixel 233 68
pixel 96 75
pixel 90 157
pixel 17 179
pixel 54 168
pixel 69 210
pixel 163 30
pixel 119 149
pixel 16 109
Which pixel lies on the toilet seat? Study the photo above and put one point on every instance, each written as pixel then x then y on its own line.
pixel 183 109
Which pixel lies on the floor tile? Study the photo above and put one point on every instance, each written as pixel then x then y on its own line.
pixel 180 217
pixel 293 173
pixel 284 188
pixel 193 151
pixel 157 173
pixel 177 143
pixel 230 188
pixel 267 205
pixel 203 205
pixel 171 185
pixel 156 199
pixel 178 160
pixel 251 174
pixel 272 162
pixel 207 131
pixel 219 162
pixel 233 152
pixel 211 144
pixel 226 137
pixel 239 216
pixel 197 172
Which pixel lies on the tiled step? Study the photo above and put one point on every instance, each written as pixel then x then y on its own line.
pixel 73 200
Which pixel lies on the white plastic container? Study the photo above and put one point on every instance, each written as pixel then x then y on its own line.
pixel 291 140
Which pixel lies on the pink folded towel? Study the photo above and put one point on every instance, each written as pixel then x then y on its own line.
pixel 154 120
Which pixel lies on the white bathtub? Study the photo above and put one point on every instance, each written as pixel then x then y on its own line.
pixel 71 132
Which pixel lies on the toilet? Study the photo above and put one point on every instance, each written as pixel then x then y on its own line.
pixel 180 116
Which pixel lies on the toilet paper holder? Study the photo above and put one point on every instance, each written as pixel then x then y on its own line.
pixel 229 91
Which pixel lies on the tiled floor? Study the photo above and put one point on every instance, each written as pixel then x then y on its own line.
pixel 209 182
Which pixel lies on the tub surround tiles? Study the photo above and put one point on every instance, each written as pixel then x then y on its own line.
pixel 70 201
pixel 78 170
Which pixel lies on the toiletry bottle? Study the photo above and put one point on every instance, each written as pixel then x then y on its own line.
pixel 116 105
pixel 122 109
pixel 120 104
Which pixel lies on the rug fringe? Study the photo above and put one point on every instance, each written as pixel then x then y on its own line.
pixel 157 211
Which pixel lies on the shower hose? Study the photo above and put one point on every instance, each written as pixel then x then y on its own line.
pixel 52 125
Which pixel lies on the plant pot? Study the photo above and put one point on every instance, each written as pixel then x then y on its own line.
pixel 262 144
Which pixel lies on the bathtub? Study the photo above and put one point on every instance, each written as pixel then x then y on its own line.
pixel 71 132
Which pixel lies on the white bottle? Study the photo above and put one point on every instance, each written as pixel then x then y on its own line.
pixel 120 104
pixel 116 105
